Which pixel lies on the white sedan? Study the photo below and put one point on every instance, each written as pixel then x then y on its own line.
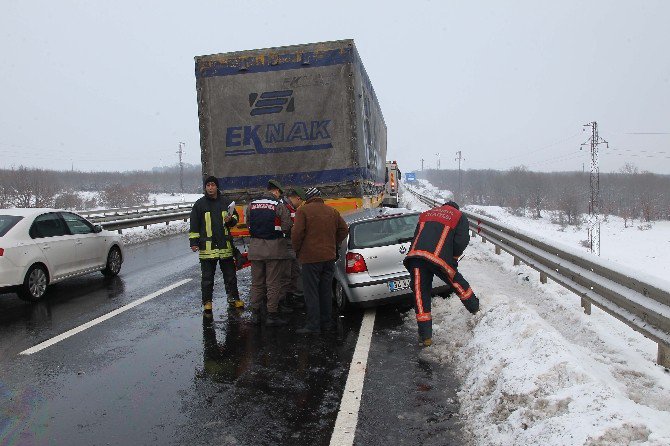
pixel 39 247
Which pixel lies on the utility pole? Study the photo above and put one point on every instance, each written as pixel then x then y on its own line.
pixel 438 161
pixel 594 181
pixel 422 160
pixel 458 158
pixel 181 166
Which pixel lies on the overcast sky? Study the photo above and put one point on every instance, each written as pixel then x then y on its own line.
pixel 110 85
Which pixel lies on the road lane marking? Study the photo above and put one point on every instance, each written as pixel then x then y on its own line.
pixel 347 417
pixel 111 314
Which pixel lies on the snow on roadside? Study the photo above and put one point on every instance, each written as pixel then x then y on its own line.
pixel 132 236
pixel 536 370
pixel 138 234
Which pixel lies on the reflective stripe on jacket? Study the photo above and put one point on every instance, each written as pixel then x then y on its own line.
pixel 207 228
pixel 440 237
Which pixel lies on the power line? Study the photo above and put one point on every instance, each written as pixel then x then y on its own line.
pixel 541 148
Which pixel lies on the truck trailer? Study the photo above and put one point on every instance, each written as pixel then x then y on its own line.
pixel 305 115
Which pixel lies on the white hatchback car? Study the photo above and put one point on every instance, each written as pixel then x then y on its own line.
pixel 39 247
pixel 370 271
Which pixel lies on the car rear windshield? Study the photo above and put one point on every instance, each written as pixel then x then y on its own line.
pixel 383 231
pixel 7 222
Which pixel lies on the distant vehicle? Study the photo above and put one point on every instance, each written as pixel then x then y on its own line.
pixel 305 115
pixel 393 176
pixel 39 247
pixel 370 271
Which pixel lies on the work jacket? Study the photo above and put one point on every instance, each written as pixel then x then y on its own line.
pixel 440 237
pixel 317 232
pixel 208 231
pixel 269 223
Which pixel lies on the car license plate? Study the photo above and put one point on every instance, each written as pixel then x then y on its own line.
pixel 397 285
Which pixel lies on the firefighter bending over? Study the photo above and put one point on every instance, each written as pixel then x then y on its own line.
pixel 440 238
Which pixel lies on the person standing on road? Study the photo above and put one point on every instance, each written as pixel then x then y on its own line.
pixel 295 296
pixel 316 235
pixel 269 223
pixel 440 237
pixel 209 235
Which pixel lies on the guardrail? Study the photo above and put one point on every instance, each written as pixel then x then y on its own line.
pixel 124 218
pixel 644 305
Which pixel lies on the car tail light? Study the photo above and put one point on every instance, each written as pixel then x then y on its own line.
pixel 355 263
pixel 2 251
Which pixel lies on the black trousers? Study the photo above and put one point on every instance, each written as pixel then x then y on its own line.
pixel 208 269
pixel 317 282
pixel 421 280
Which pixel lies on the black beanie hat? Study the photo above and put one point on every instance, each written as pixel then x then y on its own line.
pixel 452 204
pixel 211 179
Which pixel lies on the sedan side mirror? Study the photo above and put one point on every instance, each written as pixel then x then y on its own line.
pixel 97 228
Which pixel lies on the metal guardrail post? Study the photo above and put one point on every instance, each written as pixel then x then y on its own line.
pixel 663 357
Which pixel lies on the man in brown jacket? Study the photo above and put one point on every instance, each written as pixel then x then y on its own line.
pixel 317 233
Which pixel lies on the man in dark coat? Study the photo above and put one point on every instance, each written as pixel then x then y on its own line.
pixel 317 233
pixel 440 238
pixel 209 235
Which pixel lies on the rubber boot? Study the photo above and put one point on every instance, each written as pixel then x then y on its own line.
pixel 207 307
pixel 236 303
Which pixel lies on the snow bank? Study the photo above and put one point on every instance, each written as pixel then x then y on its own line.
pixel 536 370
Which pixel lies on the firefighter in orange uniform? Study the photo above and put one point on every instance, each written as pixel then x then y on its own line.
pixel 440 238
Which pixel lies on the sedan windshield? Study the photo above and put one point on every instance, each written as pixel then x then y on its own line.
pixel 383 231
pixel 7 222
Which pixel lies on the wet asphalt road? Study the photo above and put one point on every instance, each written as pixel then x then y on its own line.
pixel 161 374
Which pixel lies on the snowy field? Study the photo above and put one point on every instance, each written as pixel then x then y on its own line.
pixel 535 369
pixel 641 246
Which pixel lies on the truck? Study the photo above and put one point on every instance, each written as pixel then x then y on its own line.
pixel 393 176
pixel 305 115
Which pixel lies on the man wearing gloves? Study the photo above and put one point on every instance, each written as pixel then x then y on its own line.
pixel 440 238
pixel 209 235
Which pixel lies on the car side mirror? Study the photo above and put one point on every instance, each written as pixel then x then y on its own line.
pixel 97 228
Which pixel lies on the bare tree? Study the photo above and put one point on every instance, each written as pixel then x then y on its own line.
pixel 118 195
pixel 69 200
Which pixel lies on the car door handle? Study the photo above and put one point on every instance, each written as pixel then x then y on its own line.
pixel 45 246
pixel 78 242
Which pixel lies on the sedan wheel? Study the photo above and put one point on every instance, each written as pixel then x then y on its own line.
pixel 35 284
pixel 113 262
pixel 341 297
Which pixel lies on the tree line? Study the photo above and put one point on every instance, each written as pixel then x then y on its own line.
pixel 30 187
pixel 629 194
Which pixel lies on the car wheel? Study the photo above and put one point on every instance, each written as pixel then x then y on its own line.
pixel 113 262
pixel 340 298
pixel 35 284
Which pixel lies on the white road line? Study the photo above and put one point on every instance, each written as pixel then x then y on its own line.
pixel 347 418
pixel 111 314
